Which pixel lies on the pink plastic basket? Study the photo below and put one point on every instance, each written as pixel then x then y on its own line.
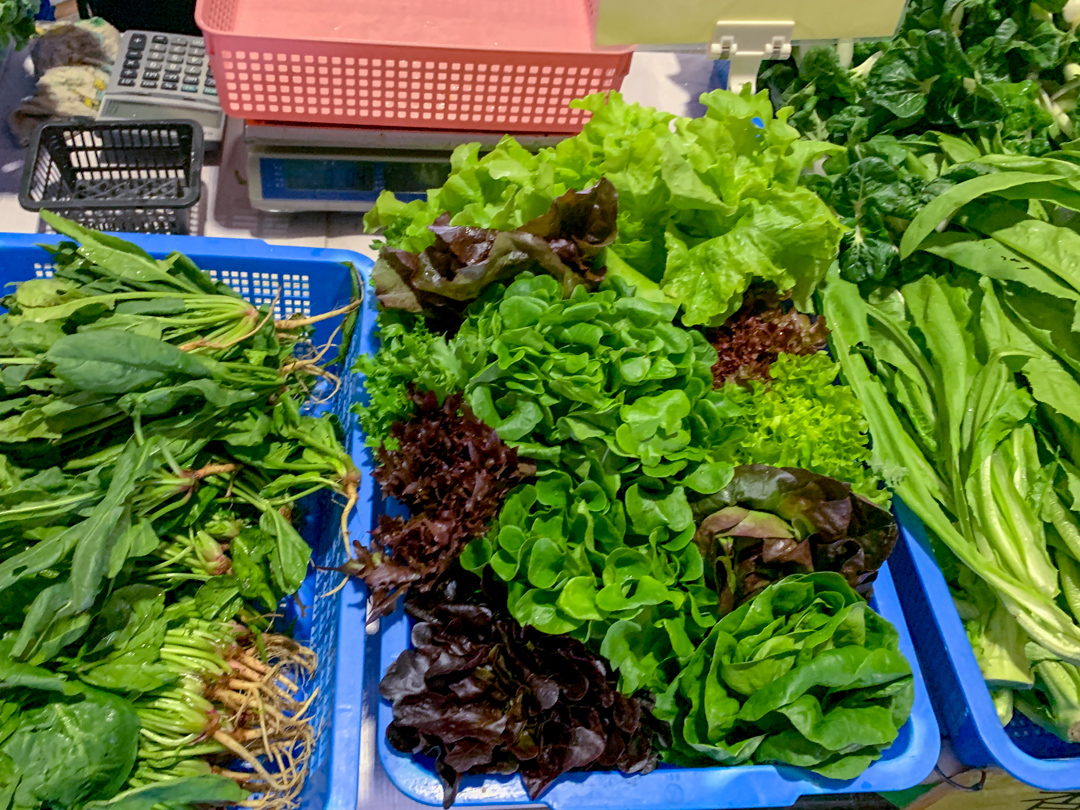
pixel 505 65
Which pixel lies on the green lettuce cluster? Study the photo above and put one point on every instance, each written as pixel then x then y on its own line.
pixel 804 418
pixel 410 353
pixel 803 674
pixel 706 205
pixel 615 405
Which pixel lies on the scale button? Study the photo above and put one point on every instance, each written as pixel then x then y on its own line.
pixel 171 76
pixel 150 83
pixel 190 88
pixel 164 40
pixel 137 42
pixel 128 73
pixel 126 82
pixel 167 85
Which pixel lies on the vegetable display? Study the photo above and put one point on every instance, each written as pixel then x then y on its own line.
pixel 972 380
pixel 567 435
pixel 959 81
pixel 154 458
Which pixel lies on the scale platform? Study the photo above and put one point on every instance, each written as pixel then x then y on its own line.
pixel 294 167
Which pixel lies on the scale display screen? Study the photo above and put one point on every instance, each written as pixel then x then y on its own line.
pixel 328 175
pixel 415 176
pixel 352 180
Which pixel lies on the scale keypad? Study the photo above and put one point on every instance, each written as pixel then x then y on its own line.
pixel 165 63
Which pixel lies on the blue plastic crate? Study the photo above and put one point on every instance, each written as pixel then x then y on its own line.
pixel 310 281
pixel 957 688
pixel 906 763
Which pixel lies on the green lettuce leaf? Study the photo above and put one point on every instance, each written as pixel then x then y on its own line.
pixel 805 674
pixel 706 205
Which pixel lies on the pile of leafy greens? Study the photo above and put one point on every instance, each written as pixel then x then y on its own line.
pixel 971 384
pixel 153 456
pixel 453 473
pixel 750 341
pixel 484 694
pixel 771 522
pixel 516 321
pixel 805 673
pixel 706 205
pixel 959 81
pixel 801 417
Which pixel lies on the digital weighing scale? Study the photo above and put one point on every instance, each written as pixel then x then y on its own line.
pixel 293 167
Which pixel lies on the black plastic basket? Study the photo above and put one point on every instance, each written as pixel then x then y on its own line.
pixel 140 177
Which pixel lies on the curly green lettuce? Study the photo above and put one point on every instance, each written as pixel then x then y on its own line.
pixel 706 205
pixel 410 356
pixel 804 418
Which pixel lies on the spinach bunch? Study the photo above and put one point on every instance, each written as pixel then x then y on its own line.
pixel 805 674
pixel 154 460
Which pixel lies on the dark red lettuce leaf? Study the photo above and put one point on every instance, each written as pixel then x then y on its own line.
pixel 750 340
pixel 449 274
pixel 482 694
pixel 453 472
pixel 770 522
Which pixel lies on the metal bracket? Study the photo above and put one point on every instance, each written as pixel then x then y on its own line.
pixel 747 44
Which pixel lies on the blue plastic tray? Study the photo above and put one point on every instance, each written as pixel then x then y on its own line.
pixel 906 763
pixel 957 688
pixel 311 281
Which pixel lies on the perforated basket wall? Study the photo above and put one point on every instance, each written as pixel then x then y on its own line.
pixel 518 88
pixel 303 281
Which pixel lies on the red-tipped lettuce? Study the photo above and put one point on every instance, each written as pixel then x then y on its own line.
pixel 771 522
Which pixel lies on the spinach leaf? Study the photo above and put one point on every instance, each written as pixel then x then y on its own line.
pixel 71 751
pixel 111 362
